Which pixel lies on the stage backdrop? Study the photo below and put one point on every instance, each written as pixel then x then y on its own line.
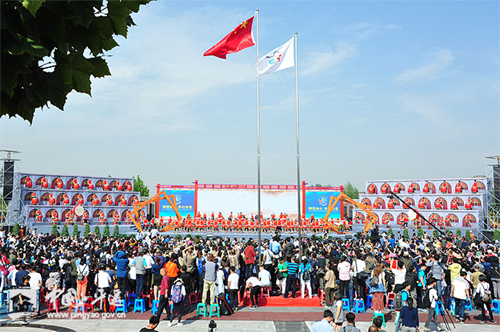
pixel 317 204
pixel 185 203
pixel 245 201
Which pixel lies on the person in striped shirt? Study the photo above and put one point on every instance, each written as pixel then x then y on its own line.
pixel 291 280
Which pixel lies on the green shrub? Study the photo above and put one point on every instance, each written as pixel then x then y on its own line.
pixel 468 236
pixel 390 232
pixel 55 231
pixel 496 235
pixel 458 233
pixel 105 232
pixel 16 230
pixel 420 233
pixel 97 231
pixel 116 232
pixel 65 230
pixel 86 231
pixel 75 230
pixel 435 234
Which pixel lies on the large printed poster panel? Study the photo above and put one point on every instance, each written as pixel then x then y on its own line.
pixel 317 204
pixel 185 203
pixel 236 201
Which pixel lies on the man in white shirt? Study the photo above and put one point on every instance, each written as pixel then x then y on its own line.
pixel 11 278
pixel 103 283
pixel 232 285
pixel 461 293
pixel 254 285
pixel 264 277
pixel 36 284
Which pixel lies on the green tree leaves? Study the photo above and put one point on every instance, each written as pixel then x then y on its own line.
pixel 351 191
pixel 141 187
pixel 50 48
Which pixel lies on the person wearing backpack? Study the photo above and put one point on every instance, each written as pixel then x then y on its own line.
pixel 305 271
pixel 409 317
pixel 400 301
pixel 484 294
pixel 177 295
pixel 82 271
pixel 430 302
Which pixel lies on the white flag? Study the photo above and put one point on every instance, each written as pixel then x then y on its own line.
pixel 278 59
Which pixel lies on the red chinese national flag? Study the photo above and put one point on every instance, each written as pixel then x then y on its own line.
pixel 237 40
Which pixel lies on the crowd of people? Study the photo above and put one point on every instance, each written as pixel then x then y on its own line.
pixel 417 272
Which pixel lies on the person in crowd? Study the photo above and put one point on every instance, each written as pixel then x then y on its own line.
pixel 409 317
pixel 103 283
pixel 338 313
pixel 460 291
pixel 249 259
pixel 344 269
pixel 377 279
pixel 291 279
pixel 324 325
pixel 433 298
pixel 164 295
pixel 483 289
pixel 233 286
pixel 264 277
pixel 253 284
pixel 153 323
pixel 140 265
pixel 178 293
pixel 36 283
pixel 281 274
pixel 305 274
pixel 330 286
pixel 209 280
pixel 350 318
pixel 82 278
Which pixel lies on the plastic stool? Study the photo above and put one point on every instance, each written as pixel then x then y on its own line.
pixel 201 310
pixel 359 306
pixel 469 306
pixel 217 311
pixel 495 306
pixel 265 291
pixel 346 305
pixel 452 307
pixel 379 314
pixel 396 318
pixel 193 297
pixel 154 307
pixel 130 297
pixel 439 308
pixel 79 306
pixel 369 301
pixel 53 305
pixel 121 306
pixel 140 305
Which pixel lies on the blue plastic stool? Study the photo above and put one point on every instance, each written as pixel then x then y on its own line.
pixel 154 307
pixel 452 307
pixel 359 306
pixel 130 297
pixel 369 301
pixel 121 306
pixel 495 306
pixel 201 310
pixel 217 310
pixel 469 306
pixel 379 314
pixel 439 306
pixel 346 305
pixel 140 305
pixel 79 306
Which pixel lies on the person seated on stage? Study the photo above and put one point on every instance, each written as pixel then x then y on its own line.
pixel 90 185
pixel 265 275
pixel 28 183
pixel 475 187
pixel 65 200
pixel 34 199
pixel 212 216
pixel 128 186
pixel 119 187
pixel 52 200
pixel 59 183
pixel 105 185
pixel 75 184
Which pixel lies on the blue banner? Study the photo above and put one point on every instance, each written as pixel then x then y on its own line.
pixel 184 200
pixel 317 204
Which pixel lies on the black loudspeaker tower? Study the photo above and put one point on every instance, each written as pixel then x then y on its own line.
pixel 8 180
pixel 496 182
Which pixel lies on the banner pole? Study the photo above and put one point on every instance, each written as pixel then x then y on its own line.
pixel 298 150
pixel 258 134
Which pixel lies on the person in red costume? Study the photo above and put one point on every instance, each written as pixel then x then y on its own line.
pixel 102 218
pixel 447 221
pixel 454 204
pixel 79 200
pixel 123 201
pixel 45 183
pixel 128 186
pixel 371 189
pixel 475 187
pixel 136 201
pixel 65 199
pixel 38 216
pixel 119 187
pixel 105 185
pixel 68 217
pixel 426 188
pixel 54 217
pixel 459 188
pixel 34 199
pixel 109 201
pixel 468 205
pixel 86 216
pixel 439 204
pixel 116 218
pixel 376 205
pixel 28 183
pixel 59 183
pixel 390 205
pixel 90 185
pixel 95 200
pixel 444 187
pixel 76 186
pixel 52 200
pixel 385 188
pixel 421 204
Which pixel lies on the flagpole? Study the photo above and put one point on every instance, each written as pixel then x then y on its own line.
pixel 258 133
pixel 298 151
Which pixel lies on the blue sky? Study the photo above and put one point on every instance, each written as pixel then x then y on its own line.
pixel 388 90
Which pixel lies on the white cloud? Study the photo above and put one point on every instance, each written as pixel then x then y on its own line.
pixel 317 61
pixel 435 67
pixel 365 30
